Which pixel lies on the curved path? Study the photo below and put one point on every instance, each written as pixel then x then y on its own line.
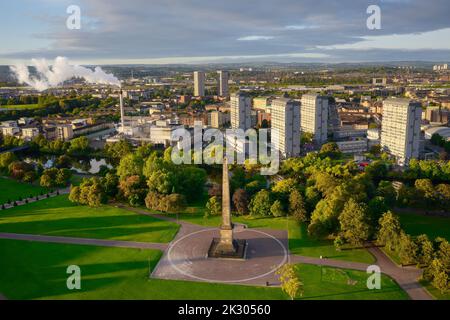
pixel 84 241
pixel 406 277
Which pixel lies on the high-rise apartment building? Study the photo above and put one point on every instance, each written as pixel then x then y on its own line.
pixel 199 83
pixel 223 83
pixel 314 116
pixel 218 119
pixel 400 129
pixel 240 109
pixel 285 118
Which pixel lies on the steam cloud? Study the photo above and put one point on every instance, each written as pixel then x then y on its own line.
pixel 49 76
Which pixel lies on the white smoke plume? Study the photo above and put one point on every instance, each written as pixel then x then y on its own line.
pixel 49 76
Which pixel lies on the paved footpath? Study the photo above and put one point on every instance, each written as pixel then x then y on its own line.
pixel 85 241
pixel 406 277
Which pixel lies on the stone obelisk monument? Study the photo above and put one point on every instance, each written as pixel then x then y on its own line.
pixel 226 246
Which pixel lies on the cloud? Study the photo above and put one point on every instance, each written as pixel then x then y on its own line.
pixel 169 29
pixel 300 27
pixel 255 38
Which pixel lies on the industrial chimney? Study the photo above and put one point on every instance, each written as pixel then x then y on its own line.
pixel 122 112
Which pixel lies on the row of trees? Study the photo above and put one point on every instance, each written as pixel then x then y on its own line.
pixel 147 177
pixel 433 256
pixel 27 172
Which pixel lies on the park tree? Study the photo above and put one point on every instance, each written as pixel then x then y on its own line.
pixel 375 209
pixel 312 197
pixel 377 170
pixel 438 274
pixel 74 195
pixel 277 209
pixel 425 251
pixel 110 182
pixel 133 189
pixel 118 149
pixel 18 169
pixel 173 203
pixel 260 204
pixel 389 231
pixel 426 191
pixel 6 159
pixel 130 165
pixel 325 183
pixel 290 281
pixel 443 193
pixel 386 190
pixel 407 249
pixel 297 207
pixel 330 150
pixel 240 201
pixel 63 177
pixel 213 207
pixel 79 145
pixel 354 223
pixel 90 192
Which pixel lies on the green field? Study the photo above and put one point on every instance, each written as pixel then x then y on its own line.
pixel 21 106
pixel 416 224
pixel 342 284
pixel 299 241
pixel 58 216
pixel 33 270
pixel 13 190
pixel 301 244
pixel 435 292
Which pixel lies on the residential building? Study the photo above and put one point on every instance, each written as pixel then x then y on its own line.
pixel 64 132
pixel 217 119
pixel 285 119
pixel 240 109
pixel 314 116
pixel 30 132
pixel 223 83
pixel 199 83
pixel 400 129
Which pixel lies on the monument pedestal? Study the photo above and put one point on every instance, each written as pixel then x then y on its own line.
pixel 219 249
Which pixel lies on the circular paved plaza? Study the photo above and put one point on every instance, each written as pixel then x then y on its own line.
pixel 186 258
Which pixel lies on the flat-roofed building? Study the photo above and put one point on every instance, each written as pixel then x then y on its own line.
pixel 199 83
pixel 217 119
pixel 240 110
pixel 285 123
pixel 223 83
pixel 400 129
pixel 314 116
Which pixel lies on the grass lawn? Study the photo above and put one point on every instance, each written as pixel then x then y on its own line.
pixel 416 224
pixel 33 270
pixel 21 106
pixel 342 284
pixel 435 292
pixel 12 190
pixel 58 216
pixel 299 241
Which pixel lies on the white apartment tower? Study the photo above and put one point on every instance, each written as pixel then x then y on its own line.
pixel 199 83
pixel 314 116
pixel 286 124
pixel 240 109
pixel 223 83
pixel 400 129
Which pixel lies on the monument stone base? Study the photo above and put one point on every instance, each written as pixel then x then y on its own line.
pixel 219 249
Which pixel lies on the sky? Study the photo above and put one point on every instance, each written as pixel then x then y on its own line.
pixel 208 31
